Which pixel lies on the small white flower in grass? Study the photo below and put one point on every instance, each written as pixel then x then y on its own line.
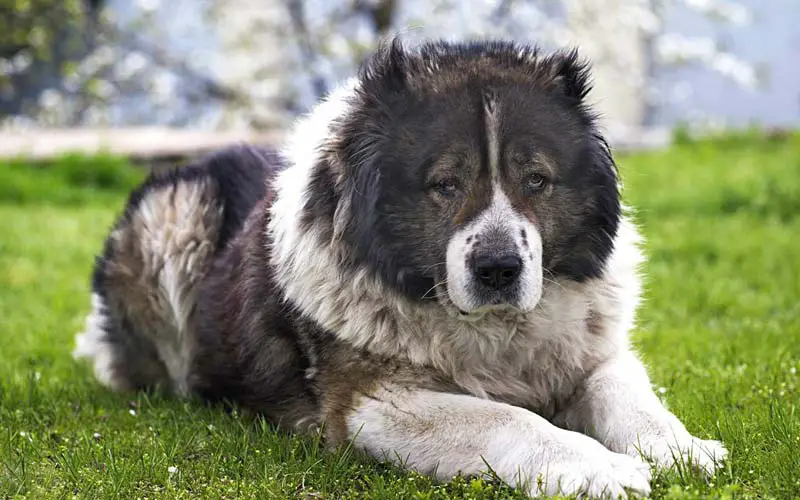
pixel 172 469
pixel 132 412
pixel 662 390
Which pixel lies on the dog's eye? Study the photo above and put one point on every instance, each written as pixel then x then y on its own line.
pixel 447 187
pixel 535 183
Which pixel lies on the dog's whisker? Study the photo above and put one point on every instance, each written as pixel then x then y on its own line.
pixel 552 281
pixel 425 295
pixel 428 268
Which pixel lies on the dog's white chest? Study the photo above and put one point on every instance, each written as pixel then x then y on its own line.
pixel 535 370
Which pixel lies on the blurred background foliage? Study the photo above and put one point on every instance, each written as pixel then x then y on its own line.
pixel 256 64
pixel 40 42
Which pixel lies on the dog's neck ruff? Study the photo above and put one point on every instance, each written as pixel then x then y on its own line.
pixel 356 306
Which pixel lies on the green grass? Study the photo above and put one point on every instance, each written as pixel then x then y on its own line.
pixel 720 330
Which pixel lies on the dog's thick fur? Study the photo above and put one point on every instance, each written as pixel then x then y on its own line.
pixel 437 266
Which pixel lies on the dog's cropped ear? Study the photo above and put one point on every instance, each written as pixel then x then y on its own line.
pixel 570 74
pixel 382 80
pixel 385 68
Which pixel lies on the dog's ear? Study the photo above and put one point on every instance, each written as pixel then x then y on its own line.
pixel 570 74
pixel 386 67
pixel 382 81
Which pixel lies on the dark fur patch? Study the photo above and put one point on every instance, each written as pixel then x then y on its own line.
pixel 248 346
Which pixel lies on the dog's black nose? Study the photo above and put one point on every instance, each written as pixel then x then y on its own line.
pixel 497 271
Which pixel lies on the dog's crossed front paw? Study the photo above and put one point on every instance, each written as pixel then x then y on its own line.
pixel 579 465
pixel 609 476
pixel 705 455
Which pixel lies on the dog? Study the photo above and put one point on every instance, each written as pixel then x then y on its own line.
pixel 437 267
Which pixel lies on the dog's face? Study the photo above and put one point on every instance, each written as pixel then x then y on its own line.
pixel 475 174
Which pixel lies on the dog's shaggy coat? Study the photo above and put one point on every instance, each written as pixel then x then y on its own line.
pixel 437 266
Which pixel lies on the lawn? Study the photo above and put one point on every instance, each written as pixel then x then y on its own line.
pixel 720 330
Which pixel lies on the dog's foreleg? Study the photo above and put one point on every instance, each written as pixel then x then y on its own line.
pixel 446 434
pixel 617 406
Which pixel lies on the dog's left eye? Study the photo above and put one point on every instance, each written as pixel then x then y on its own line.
pixel 535 182
pixel 446 187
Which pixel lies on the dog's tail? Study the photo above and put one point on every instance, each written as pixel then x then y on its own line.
pixel 145 283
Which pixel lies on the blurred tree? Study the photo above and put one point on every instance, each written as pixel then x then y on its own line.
pixel 39 41
pixel 257 63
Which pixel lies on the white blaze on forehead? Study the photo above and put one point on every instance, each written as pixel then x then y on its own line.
pixel 501 212
pixel 491 109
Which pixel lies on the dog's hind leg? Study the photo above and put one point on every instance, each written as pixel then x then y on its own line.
pixel 122 359
pixel 145 284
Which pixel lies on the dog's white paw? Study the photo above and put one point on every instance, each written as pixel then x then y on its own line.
pixel 706 455
pixel 590 470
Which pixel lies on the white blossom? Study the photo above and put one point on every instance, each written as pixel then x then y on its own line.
pixel 257 63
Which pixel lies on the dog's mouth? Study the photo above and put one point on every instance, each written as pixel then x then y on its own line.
pixel 495 306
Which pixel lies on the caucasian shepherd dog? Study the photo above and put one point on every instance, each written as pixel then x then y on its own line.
pixel 437 266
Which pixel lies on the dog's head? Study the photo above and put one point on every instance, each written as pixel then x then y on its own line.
pixel 469 173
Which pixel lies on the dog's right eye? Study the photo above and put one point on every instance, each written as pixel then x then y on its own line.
pixel 447 187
